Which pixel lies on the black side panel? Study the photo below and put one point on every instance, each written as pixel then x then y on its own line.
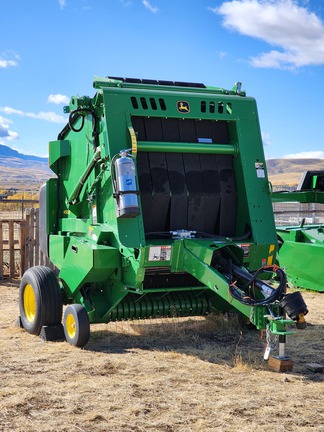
pixel 220 132
pixel 203 130
pixel 178 187
pixel 228 196
pixel 170 130
pixel 196 198
pixel 307 180
pixel 153 129
pixel 161 192
pixel 138 125
pixel 43 236
pixel 187 131
pixel 146 188
pixel 180 130
pixel 209 168
pixel 188 191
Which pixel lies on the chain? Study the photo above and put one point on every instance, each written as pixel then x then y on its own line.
pixel 271 344
pixel 252 315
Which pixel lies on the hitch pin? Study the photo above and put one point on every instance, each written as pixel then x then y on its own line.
pixel 267 353
pixel 268 346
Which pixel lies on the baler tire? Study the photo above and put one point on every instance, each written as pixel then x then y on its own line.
pixel 40 300
pixel 76 325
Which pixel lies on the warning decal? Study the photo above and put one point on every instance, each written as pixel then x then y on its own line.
pixel 160 253
pixel 259 166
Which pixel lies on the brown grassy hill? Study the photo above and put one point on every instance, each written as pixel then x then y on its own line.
pixel 289 171
pixel 21 171
pixel 22 175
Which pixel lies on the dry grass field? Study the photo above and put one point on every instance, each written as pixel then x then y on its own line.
pixel 167 375
pixel 289 171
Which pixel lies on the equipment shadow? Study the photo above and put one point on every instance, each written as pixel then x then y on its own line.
pixel 217 339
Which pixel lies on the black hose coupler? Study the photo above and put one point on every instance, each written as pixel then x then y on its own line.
pixel 294 306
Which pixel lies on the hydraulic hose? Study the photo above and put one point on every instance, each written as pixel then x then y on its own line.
pixel 239 292
pixel 75 194
pixel 242 283
pixel 82 112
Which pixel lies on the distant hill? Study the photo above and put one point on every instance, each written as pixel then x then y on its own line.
pixel 22 171
pixel 7 152
pixel 27 171
pixel 289 171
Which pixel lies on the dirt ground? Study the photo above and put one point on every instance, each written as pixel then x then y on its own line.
pixel 167 375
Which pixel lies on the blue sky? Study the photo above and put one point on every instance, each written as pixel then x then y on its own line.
pixel 50 50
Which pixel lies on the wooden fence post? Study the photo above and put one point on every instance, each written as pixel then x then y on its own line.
pixel 1 251
pixel 27 240
pixel 32 238
pixel 36 236
pixel 11 246
pixel 22 247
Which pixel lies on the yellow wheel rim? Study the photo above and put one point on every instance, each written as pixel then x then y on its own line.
pixel 70 326
pixel 29 303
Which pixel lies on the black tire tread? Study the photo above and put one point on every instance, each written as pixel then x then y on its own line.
pixel 83 325
pixel 48 298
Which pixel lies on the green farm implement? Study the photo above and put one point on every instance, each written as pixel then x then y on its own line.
pixel 160 207
pixel 302 246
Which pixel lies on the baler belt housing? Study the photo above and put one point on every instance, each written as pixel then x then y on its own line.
pixel 187 191
pixel 188 160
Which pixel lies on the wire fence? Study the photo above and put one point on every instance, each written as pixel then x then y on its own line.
pixel 19 244
pixel 19 232
pixel 293 213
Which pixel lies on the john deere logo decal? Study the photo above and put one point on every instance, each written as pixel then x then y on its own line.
pixel 183 107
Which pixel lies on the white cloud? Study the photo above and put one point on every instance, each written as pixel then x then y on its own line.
pixel 150 7
pixel 5 133
pixel 62 3
pixel 7 63
pixel 266 138
pixel 58 99
pixel 295 30
pixel 9 111
pixel 316 154
pixel 222 54
pixel 8 60
pixel 126 3
pixel 47 116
